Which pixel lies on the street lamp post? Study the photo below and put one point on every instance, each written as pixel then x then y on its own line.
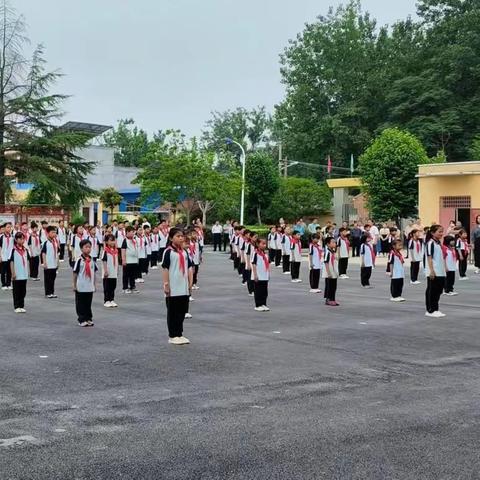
pixel 243 160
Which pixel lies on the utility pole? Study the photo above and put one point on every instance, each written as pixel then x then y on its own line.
pixel 285 166
pixel 280 149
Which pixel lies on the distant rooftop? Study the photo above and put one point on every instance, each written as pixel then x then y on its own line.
pixel 92 129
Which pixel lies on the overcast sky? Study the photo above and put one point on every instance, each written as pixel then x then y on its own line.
pixel 169 63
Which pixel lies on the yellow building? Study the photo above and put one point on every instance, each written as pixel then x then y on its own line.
pixel 449 191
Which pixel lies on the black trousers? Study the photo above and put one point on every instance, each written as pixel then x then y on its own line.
pixel 119 256
pixel 449 282
pixel 195 274
pixel 396 287
pixel 278 257
pixel 271 255
pixel 330 289
pixel 462 265
pixel 236 261
pixel 62 251
pixel 286 263
pixel 217 242
pixel 19 293
pixel 342 266
pixel 365 274
pixel 109 286
pixel 143 262
pixel 261 293
pixel 225 241
pixel 414 269
pixel 49 276
pixel 161 251
pixel 355 247
pixel 476 252
pixel 83 306
pixel 177 307
pixel 246 274
pixel 34 264
pixel 154 258
pixel 250 282
pixel 6 274
pixel 129 276
pixel 434 291
pixel 295 270
pixel 314 278
pixel 241 268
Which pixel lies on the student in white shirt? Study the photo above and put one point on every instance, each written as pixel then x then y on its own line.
pixel 396 271
pixel 249 253
pixel 295 257
pixel 109 270
pixel 50 254
pixel 6 248
pixel 343 252
pixel 62 239
pixel 217 231
pixel 177 285
pixel 163 239
pixel 286 250
pixel 330 273
pixel 34 247
pixel 142 256
pixel 278 247
pixel 95 252
pixel 129 261
pixel 18 266
pixel 155 246
pixel 75 249
pixel 463 251
pixel 416 254
pixel 193 248
pixel 120 234
pixel 272 244
pixel 367 255
pixel 261 276
pixel 450 254
pixel 435 271
pixel 315 263
pixel 84 284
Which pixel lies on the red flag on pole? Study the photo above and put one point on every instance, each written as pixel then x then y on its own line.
pixel 329 165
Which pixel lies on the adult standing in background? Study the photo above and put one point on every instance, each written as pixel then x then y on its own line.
pixel 356 236
pixel 226 234
pixel 475 238
pixel 217 231
pixel 312 227
pixel 375 233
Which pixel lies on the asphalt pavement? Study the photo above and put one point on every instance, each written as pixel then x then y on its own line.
pixel 366 390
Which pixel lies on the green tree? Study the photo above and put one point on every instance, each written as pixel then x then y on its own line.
pixel 110 198
pixel 388 170
pixel 262 182
pixel 182 173
pixel 251 128
pixel 131 143
pixel 32 149
pixel 475 149
pixel 297 197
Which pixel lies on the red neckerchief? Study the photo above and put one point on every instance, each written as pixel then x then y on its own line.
pixel 332 257
pixel 36 239
pixel 417 245
pixel 113 252
pixel 80 238
pixel 164 231
pixel 88 268
pixel 192 247
pixel 261 254
pixel 319 249
pixel 444 251
pixel 22 252
pixel 466 246
pixel 399 255
pixel 133 241
pixel 54 244
pixel 155 238
pixel 347 242
pixel 200 232
pixel 372 252
pixel 296 242
pixel 7 236
pixel 181 258
pixel 94 239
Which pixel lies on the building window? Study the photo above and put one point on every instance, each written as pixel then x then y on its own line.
pixel 134 207
pixel 456 202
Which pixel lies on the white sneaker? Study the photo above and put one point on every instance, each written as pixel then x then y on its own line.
pixel 188 315
pixel 344 276
pixel 259 309
pixel 128 291
pixel 265 308
pixel 367 286
pixel 113 304
pixel 18 310
pixel 463 278
pixel 439 314
pixel 4 288
pixel 401 299
pixel 191 299
pixel 416 282
pixel 10 287
pixel 313 290
pixel 251 294
pixel 23 310
pixel 141 280
pixel 175 341
pixel 428 314
pixel 61 261
pixel 453 294
pixel 195 287
pixel 107 304
pixel 395 299
pixel 36 279
pixel 477 271
pixel 449 294
pixel 154 268
pixel 286 273
pixel 185 340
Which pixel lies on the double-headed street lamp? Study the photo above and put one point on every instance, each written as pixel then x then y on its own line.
pixel 243 160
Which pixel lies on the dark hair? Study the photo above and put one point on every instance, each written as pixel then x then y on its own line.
pixel 329 240
pixel 412 233
pixel 85 242
pixel 342 229
pixel 44 222
pixel 393 229
pixel 398 241
pixel 173 232
pixel 431 230
pixel 259 239
pixel 447 239
pixel 296 232
pixel 109 236
pixel 33 225
pixel 129 229
pixel 17 236
pixel 365 238
pixel 315 236
pixel 461 232
pixel 51 228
